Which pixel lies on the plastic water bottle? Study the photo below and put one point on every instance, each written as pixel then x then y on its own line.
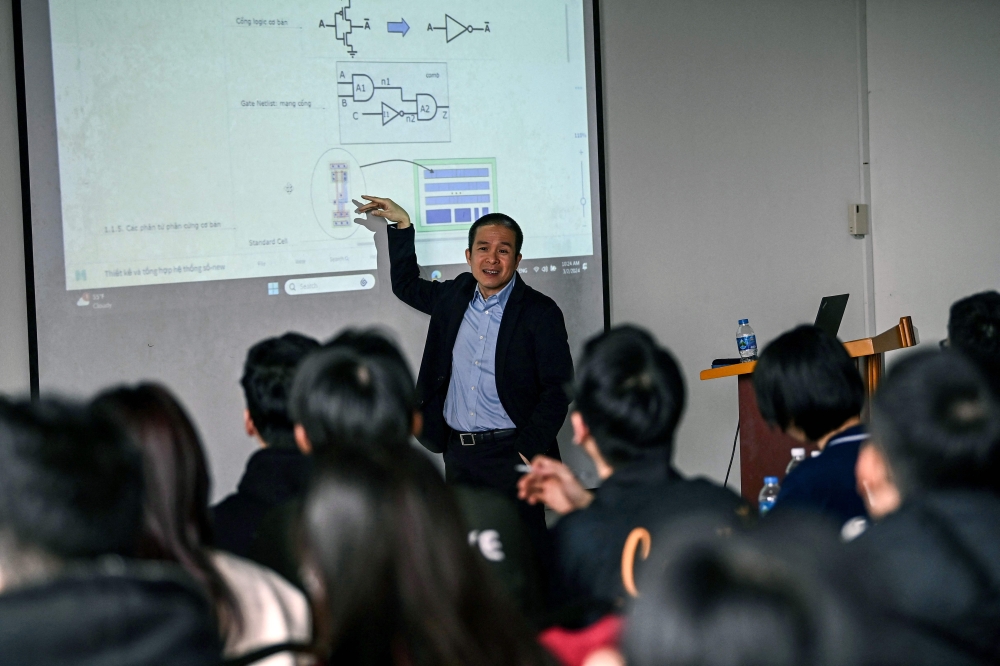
pixel 798 455
pixel 746 341
pixel 768 494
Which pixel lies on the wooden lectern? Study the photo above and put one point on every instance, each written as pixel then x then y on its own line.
pixel 765 451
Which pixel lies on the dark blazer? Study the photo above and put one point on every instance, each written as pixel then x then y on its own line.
pixel 533 363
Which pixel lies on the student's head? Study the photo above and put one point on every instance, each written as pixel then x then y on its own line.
pixel 781 597
pixel 373 343
pixel 378 344
pixel 494 250
pixel 391 574
pixel 344 400
pixel 935 426
pixel 267 380
pixel 71 486
pixel 628 395
pixel 177 521
pixel 974 330
pixel 807 384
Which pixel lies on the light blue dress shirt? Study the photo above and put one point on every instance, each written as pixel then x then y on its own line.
pixel 472 403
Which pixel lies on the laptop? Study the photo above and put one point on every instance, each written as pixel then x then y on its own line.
pixel 830 315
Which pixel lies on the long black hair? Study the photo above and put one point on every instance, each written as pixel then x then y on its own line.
pixel 392 577
pixel 177 526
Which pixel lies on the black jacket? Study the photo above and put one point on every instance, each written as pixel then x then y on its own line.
pixel 533 362
pixel 130 614
pixel 646 493
pixel 272 477
pixel 938 558
pixel 496 532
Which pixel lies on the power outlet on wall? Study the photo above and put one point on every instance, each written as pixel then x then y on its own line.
pixel 857 219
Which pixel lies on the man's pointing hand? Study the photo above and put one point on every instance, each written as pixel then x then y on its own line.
pixel 387 209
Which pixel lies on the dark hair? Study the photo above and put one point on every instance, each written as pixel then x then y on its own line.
pixel 177 521
pixel 974 330
pixel 805 377
pixel 71 483
pixel 497 220
pixel 393 577
pixel 937 423
pixel 345 400
pixel 377 343
pixel 630 393
pixel 267 380
pixel 776 596
pixel 372 343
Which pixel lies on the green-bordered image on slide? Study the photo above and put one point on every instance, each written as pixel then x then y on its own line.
pixel 452 194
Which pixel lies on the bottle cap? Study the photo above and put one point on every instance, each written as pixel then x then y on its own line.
pixel 797 451
pixel 744 321
pixel 770 480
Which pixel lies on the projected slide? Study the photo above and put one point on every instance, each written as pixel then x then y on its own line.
pixel 224 140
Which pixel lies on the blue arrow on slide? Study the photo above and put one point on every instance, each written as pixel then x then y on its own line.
pixel 400 27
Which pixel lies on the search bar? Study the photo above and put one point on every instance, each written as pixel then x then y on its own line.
pixel 329 284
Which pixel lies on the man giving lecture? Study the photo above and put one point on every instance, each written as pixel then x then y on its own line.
pixel 496 359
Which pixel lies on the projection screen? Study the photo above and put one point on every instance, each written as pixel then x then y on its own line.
pixel 192 163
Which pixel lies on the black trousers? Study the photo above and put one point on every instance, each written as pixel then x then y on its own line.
pixel 492 462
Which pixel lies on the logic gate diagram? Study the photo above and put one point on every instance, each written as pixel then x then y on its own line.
pixel 393 102
pixel 454 28
pixel 344 27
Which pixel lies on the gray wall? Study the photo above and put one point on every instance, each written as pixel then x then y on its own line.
pixel 736 138
pixel 733 153
pixel 13 316
pixel 934 74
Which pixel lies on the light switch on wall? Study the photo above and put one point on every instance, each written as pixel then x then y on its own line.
pixel 857 219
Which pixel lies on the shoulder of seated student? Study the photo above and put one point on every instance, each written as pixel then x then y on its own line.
pixel 274 611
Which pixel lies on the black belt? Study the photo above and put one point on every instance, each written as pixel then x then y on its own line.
pixel 473 438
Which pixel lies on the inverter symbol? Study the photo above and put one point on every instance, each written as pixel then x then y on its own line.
pixel 339 195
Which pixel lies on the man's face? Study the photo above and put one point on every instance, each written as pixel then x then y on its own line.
pixel 493 258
